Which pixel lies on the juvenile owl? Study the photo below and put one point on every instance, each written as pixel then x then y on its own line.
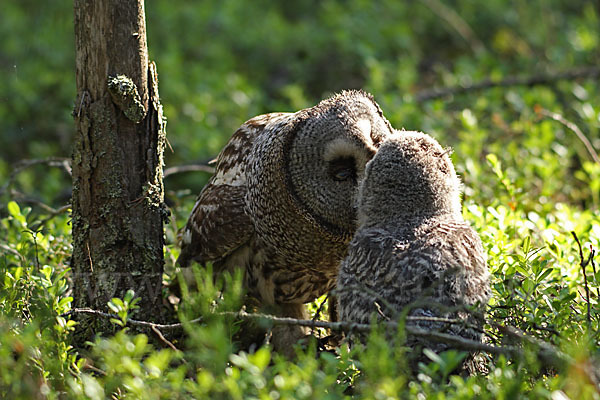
pixel 281 204
pixel 412 246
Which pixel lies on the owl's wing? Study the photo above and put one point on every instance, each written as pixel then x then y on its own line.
pixel 462 244
pixel 478 285
pixel 370 254
pixel 219 222
pixel 459 246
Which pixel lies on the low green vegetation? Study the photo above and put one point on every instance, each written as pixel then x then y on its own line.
pixel 529 182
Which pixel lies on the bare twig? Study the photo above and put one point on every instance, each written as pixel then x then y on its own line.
pixel 95 369
pixel 130 321
pixel 380 312
pixel 594 269
pixel 87 244
pixel 169 145
pixel 457 23
pixel 319 311
pixel 61 162
pixel 550 355
pixel 35 246
pixel 53 213
pixel 339 326
pixel 583 263
pixel 546 353
pixel 572 127
pixel 546 329
pixel 83 96
pixel 23 198
pixel 543 79
pixel 188 168
pixel 12 251
pixel 163 339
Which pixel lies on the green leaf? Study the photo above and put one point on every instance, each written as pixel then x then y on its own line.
pixel 433 356
pixel 92 388
pixel 261 358
pixel 116 305
pixel 14 209
pixel 545 272
pixel 128 296
pixel 18 272
pixel 493 160
pixel 526 244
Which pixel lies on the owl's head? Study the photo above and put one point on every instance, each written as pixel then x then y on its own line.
pixel 410 176
pixel 326 152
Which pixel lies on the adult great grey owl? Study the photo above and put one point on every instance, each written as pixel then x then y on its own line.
pixel 281 202
pixel 412 244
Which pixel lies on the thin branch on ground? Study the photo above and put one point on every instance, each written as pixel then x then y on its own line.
pixel 542 79
pixel 570 125
pixel 178 169
pixel 380 312
pixel 35 246
pixel 548 353
pixel 130 321
pixel 457 23
pixel 336 326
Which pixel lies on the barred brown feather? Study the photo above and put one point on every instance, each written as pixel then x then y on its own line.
pixel 281 203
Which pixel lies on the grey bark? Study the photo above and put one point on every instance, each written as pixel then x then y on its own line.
pixel 118 208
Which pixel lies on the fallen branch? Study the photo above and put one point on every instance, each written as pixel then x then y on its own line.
pixel 335 326
pixel 548 353
pixel 543 79
pixel 129 321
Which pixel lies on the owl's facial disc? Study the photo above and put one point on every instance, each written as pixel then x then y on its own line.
pixel 324 169
pixel 343 169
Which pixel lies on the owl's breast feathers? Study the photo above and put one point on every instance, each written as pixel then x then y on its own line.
pixel 395 264
pixel 219 223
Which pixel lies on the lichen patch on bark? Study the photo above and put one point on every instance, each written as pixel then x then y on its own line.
pixel 125 95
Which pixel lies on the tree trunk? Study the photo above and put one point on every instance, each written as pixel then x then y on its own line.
pixel 118 208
